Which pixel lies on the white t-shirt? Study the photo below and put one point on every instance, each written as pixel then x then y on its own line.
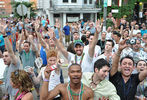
pixel 104 57
pixel 135 32
pixel 127 51
pixel 108 36
pixel 115 48
pixel 2 68
pixel 86 63
pixel 97 50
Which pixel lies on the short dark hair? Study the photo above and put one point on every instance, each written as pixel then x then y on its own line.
pixel 27 42
pixel 139 61
pixel 128 57
pixel 83 38
pixel 73 64
pixel 76 32
pixel 5 50
pixel 100 63
pixel 90 35
pixel 109 40
pixel 117 33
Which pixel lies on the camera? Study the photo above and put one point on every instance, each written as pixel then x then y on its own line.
pixel 131 41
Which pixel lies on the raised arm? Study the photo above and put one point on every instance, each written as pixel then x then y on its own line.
pixel 116 57
pixel 95 39
pixel 32 43
pixel 42 42
pixel 60 33
pixel 10 50
pixel 37 79
pixel 131 33
pixel 44 94
pixel 121 29
pixel 59 45
pixel 21 40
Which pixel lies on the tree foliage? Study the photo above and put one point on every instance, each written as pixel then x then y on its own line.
pixel 126 10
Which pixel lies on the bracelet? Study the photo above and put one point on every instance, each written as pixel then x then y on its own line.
pixel 46 80
pixel 4 36
pixel 5 97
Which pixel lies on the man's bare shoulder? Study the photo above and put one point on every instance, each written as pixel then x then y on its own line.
pixel 87 89
pixel 88 93
pixel 62 87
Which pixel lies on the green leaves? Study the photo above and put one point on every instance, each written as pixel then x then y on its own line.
pixel 125 9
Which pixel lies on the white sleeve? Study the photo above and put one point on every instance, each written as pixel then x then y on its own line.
pixel 70 55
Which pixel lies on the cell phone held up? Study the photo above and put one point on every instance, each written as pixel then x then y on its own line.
pixel 53 67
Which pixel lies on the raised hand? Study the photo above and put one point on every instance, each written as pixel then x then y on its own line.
pixel 104 98
pixel 47 72
pixel 36 26
pixel 51 32
pixel 98 26
pixel 58 25
pixel 122 44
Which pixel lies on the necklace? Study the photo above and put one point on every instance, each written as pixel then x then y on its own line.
pixel 80 59
pixel 71 93
pixel 95 84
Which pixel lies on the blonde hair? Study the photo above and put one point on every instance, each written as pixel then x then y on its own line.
pixel 21 78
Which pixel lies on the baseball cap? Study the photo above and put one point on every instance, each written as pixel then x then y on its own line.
pixel 78 42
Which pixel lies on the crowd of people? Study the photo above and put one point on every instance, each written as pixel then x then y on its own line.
pixel 102 65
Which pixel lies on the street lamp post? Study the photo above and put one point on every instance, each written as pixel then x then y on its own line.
pixel 105 15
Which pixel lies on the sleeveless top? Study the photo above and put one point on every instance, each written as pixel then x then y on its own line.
pixel 19 95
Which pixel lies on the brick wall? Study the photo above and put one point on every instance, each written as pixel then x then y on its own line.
pixel 5 7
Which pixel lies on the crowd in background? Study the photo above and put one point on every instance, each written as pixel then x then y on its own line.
pixel 81 42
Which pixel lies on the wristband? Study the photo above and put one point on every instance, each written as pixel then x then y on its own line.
pixel 46 80
pixel 5 97
pixel 4 36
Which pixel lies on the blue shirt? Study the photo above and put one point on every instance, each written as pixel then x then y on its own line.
pixel 66 30
pixel 2 40
pixel 43 22
pixel 43 56
pixel 8 31
pixel 56 33
pixel 143 32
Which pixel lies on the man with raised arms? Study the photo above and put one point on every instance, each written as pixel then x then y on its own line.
pixel 74 90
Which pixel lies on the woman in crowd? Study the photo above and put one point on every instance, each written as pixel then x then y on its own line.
pixel 56 75
pixel 141 93
pixel 21 81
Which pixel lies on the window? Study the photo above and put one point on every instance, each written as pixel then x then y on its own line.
pixel 65 1
pixel 85 1
pixel 73 1
pixel 90 1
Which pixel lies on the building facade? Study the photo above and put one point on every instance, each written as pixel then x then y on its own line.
pixel 5 7
pixel 68 10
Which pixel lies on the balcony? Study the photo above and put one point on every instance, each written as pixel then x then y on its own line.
pixel 74 8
